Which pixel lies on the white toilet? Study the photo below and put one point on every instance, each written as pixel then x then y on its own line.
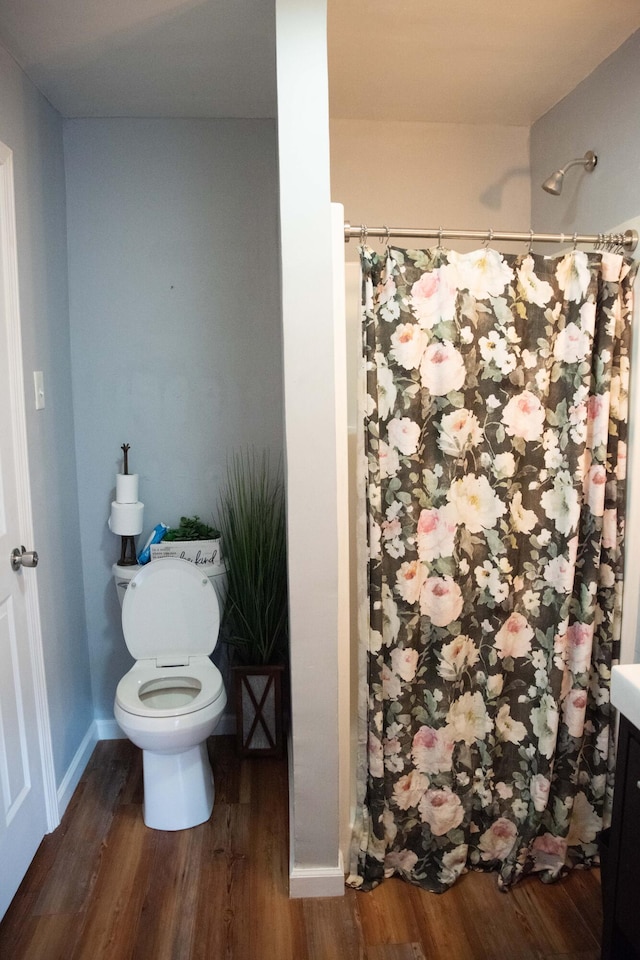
pixel 173 697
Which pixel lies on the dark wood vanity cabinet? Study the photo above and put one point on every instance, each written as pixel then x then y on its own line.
pixel 621 856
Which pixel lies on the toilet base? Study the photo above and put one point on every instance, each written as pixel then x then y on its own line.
pixel 178 788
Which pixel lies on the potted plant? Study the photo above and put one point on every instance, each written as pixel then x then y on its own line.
pixel 255 618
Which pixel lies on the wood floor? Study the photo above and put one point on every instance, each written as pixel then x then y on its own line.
pixel 104 886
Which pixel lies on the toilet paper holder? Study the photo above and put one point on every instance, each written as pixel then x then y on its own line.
pixel 127 552
pixel 120 510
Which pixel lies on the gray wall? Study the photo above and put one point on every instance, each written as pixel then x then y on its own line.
pixel 600 115
pixel 33 130
pixel 175 326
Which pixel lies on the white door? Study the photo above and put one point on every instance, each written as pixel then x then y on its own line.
pixel 27 800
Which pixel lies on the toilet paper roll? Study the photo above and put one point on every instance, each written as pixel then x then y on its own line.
pixel 127 488
pixel 126 518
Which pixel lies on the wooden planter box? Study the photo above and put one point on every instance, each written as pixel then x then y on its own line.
pixel 259 711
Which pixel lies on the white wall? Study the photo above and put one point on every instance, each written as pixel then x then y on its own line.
pixel 310 429
pixel 430 174
pixel 175 328
pixel 33 130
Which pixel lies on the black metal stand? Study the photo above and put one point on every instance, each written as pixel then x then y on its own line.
pixel 128 552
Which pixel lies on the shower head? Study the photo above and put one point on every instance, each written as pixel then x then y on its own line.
pixel 553 184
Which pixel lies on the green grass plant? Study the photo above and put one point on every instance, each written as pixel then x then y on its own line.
pixel 253 527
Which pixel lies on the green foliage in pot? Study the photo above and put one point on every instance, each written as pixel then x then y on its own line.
pixel 252 523
pixel 192 528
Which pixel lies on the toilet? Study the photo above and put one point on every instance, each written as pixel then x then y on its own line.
pixel 173 697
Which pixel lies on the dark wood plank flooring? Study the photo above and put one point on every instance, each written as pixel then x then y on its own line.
pixel 104 886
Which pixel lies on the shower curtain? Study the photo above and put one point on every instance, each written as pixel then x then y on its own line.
pixel 495 451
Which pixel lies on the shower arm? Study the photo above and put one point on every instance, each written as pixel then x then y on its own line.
pixel 588 162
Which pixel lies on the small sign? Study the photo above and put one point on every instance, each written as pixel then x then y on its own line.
pixel 196 551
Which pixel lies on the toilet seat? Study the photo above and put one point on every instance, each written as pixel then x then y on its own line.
pixel 170 613
pixel 145 672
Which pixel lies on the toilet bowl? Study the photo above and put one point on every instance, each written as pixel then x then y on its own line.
pixel 173 697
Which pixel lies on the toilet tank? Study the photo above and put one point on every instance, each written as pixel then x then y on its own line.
pixel 216 572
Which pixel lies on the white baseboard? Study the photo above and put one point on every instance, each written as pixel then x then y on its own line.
pixel 109 729
pixel 76 768
pixel 311 881
pixel 316 881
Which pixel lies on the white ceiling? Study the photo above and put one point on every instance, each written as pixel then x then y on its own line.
pixel 457 61
pixel 467 61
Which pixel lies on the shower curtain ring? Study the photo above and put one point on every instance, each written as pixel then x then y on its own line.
pixel 530 250
pixel 489 237
pixel 387 236
pixel 575 241
pixel 363 235
pixel 440 238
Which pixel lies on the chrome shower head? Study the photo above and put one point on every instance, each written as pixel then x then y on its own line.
pixel 553 184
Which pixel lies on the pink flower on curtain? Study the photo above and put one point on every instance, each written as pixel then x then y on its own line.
pixel 523 416
pixel 442 810
pixel 433 298
pixel 597 419
pixel 573 711
pixel 497 842
pixel 594 489
pixel 579 646
pixel 553 849
pixel 540 787
pixel 404 435
pixel 441 600
pixel 436 533
pixel 409 343
pixel 402 861
pixel 409 790
pixel 442 369
pixel 459 431
pixel 514 637
pixel 432 750
pixel 404 662
pixel 411 576
pixel 456 657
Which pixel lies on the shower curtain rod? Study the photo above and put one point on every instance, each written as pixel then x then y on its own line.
pixel 627 240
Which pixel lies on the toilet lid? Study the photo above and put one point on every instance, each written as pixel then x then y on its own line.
pixel 170 610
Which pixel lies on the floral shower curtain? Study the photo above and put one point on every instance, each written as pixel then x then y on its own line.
pixel 495 442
